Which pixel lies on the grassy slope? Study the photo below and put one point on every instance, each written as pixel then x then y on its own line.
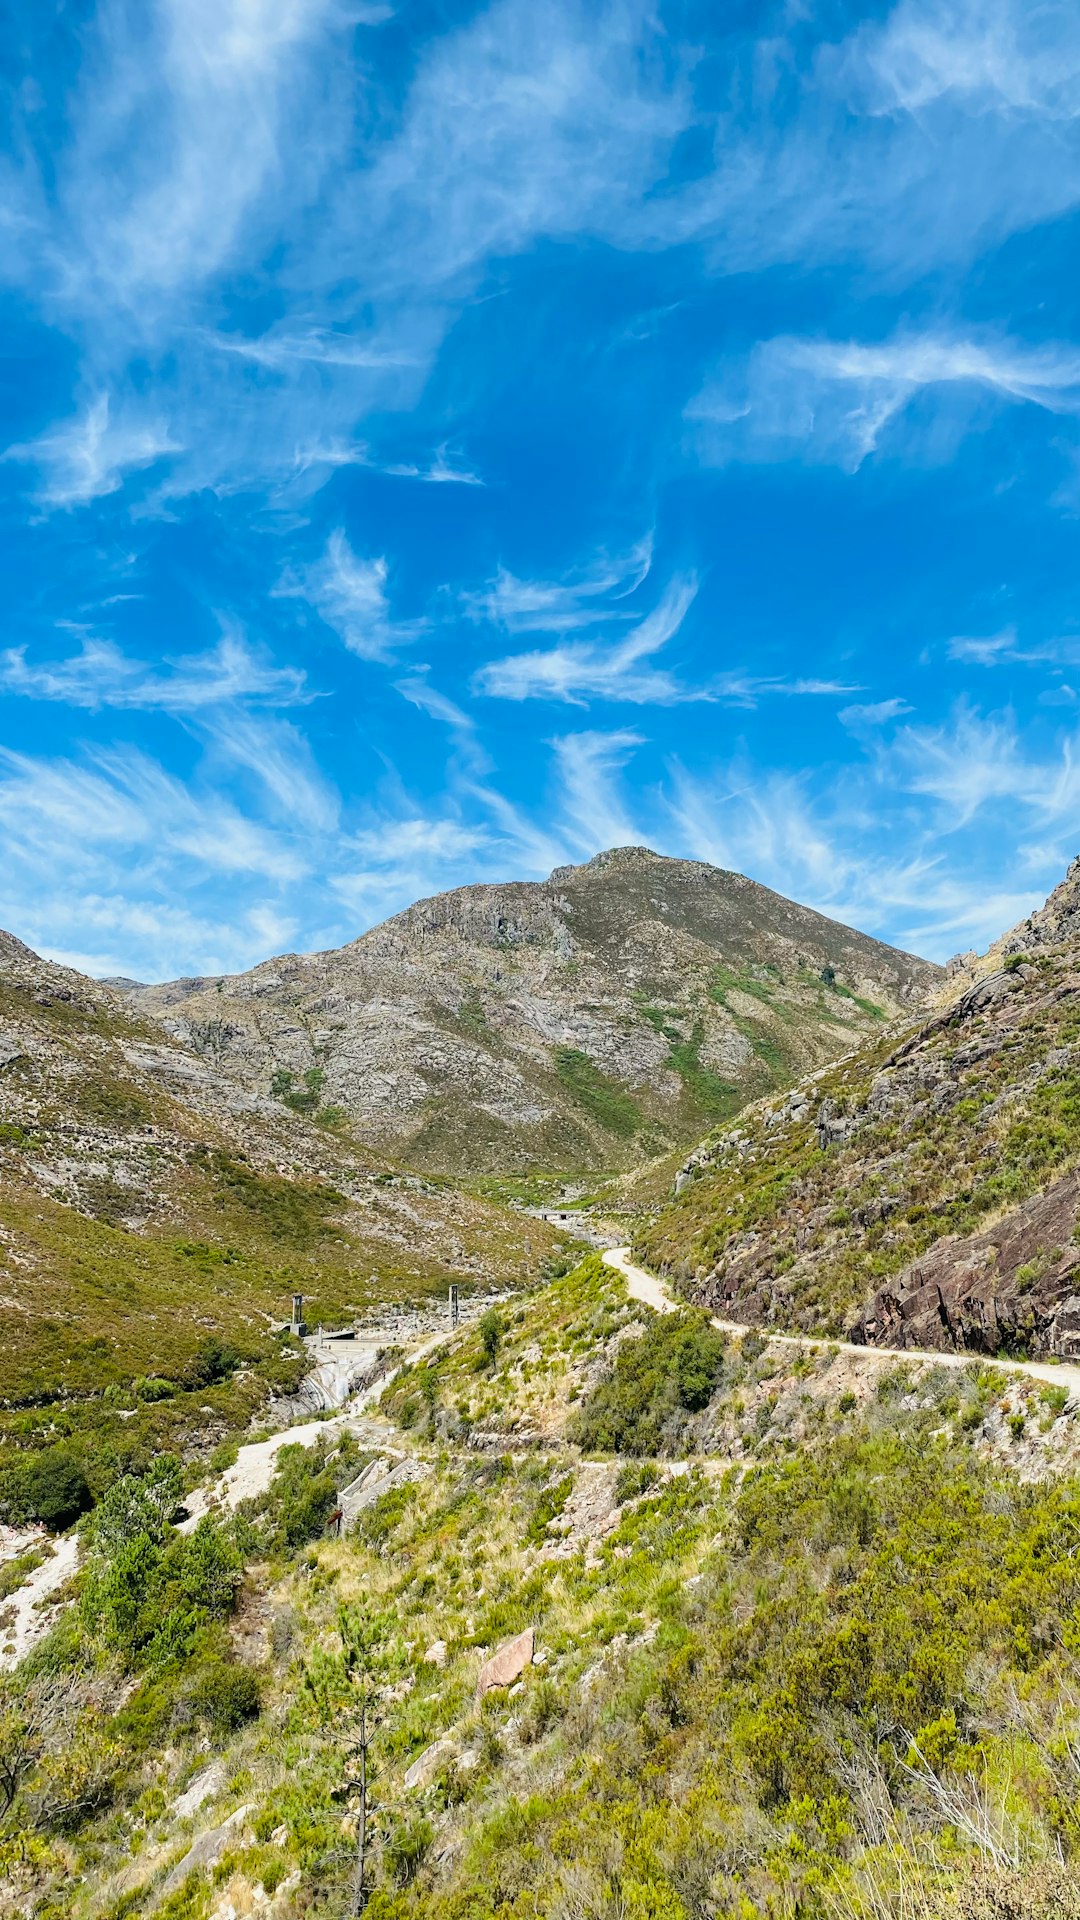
pixel 141 1217
pixel 835 1681
pixel 980 1115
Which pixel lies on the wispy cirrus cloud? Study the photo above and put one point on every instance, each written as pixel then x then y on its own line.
pixel 350 594
pixel 121 800
pixel 973 760
pixel 594 813
pixel 581 598
pixel 189 104
pixel 834 402
pixel 101 675
pixel 92 455
pixel 280 759
pixel 580 670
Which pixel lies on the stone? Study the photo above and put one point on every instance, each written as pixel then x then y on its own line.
pixel 207 1849
pixel 205 1786
pixel 279 1836
pixel 423 1770
pixel 507 1663
pixel 436 1654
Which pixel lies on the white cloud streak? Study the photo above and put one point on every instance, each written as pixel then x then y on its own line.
pixel 349 594
pixel 92 456
pixel 834 402
pixel 100 675
pixel 579 670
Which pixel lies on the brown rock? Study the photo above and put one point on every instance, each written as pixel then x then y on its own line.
pixel 507 1663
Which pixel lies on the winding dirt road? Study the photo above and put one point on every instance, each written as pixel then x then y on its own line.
pixel 653 1293
pixel 28 1613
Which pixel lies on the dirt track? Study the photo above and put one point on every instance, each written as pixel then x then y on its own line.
pixel 653 1293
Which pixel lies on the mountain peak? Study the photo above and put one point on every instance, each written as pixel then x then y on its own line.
pixel 577 1026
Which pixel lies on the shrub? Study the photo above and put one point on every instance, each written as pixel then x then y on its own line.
pixel 407 1846
pixel 150 1387
pixel 226 1696
pixel 301 1498
pixel 55 1489
pixel 671 1371
pixel 632 1481
pixel 490 1329
pixel 550 1504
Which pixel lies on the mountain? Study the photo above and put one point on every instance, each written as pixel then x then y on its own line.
pixel 154 1215
pixel 581 1022
pixel 922 1193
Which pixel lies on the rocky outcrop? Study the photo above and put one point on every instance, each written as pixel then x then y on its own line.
pixel 110 1126
pixel 588 1020
pixel 1016 1286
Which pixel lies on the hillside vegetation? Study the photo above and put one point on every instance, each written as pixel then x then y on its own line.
pixel 155 1220
pixel 924 1192
pixel 824 1668
pixel 579 1024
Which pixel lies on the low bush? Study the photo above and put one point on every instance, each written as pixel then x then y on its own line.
pixel 52 1488
pixel 226 1696
pixel 671 1371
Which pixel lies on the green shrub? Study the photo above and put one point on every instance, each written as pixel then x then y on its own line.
pixel 149 1387
pixel 300 1499
pixel 407 1845
pixel 54 1489
pixel 226 1696
pixel 550 1504
pixel 490 1329
pixel 672 1370
pixel 632 1481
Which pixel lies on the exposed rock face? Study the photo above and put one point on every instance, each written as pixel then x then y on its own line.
pixel 1017 1282
pixel 426 1766
pixel 588 1020
pixel 507 1663
pixel 925 1191
pixel 208 1848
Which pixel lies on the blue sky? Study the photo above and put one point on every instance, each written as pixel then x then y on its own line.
pixel 442 440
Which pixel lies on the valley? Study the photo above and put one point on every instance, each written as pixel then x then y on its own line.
pixel 718 1563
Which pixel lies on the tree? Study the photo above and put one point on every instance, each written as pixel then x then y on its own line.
pixel 341 1687
pixel 29 1716
pixel 138 1505
pixel 490 1329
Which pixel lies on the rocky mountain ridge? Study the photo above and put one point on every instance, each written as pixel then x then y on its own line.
pixel 586 1021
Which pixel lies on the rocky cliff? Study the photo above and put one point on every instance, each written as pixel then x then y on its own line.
pixel 585 1021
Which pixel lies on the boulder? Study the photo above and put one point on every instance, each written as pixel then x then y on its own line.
pixel 423 1770
pixel 205 1786
pixel 207 1850
pixel 507 1663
